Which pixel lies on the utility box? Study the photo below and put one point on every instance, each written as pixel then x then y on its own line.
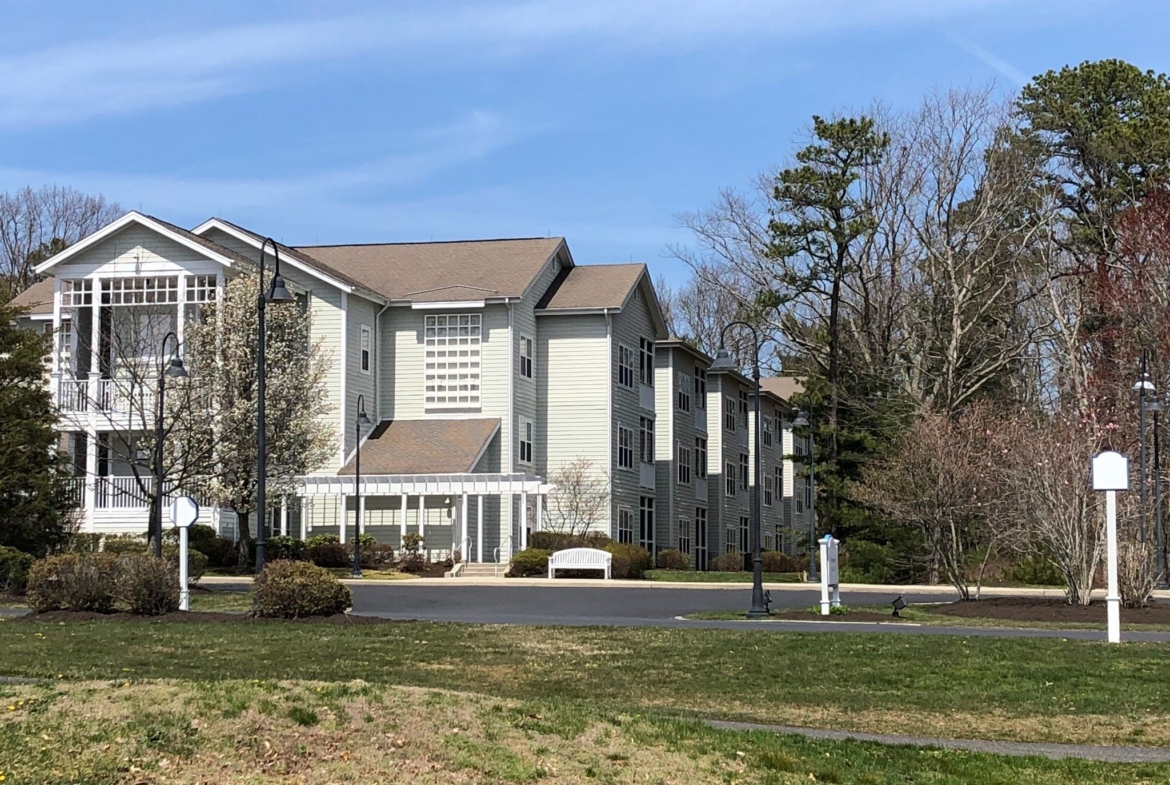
pixel 830 574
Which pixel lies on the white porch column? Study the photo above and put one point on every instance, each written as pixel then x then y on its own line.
pixel 95 342
pixel 361 514
pixel 422 523
pixel 479 528
pixel 464 546
pixel 523 520
pixel 539 513
pixel 342 515
pixel 402 522
pixel 284 517
pixel 90 478
pixel 304 517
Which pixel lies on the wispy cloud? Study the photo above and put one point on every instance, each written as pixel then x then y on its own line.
pixel 78 81
pixel 996 63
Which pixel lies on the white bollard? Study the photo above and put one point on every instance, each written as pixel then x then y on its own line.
pixel 184 591
pixel 1113 598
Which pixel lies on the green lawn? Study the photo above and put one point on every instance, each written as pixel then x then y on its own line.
pixel 261 732
pixel 1042 690
pixel 697 576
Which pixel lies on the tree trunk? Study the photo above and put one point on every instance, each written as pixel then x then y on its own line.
pixel 244 539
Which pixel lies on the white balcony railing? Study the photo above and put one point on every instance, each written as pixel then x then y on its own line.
pixel 120 493
pixel 73 395
pixel 110 396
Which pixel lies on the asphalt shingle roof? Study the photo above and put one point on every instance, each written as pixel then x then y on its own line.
pixel 424 446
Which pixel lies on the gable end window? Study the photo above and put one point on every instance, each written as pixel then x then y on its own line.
pixel 367 342
pixel 452 362
pixel 527 351
pixel 625 366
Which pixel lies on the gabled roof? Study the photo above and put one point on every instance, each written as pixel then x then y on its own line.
pixel 675 342
pixel 213 251
pixel 36 299
pixel 425 446
pixel 475 270
pixel 783 387
pixel 600 287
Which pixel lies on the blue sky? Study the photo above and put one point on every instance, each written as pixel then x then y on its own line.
pixel 600 121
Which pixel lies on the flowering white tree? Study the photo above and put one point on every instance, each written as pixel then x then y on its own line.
pixel 222 352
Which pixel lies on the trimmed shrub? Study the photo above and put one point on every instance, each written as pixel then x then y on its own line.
pixel 74 581
pixel 727 562
pixel 14 566
pixel 329 554
pixel 672 559
pixel 629 561
pixel 411 542
pixel 377 556
pixel 124 543
pixel 528 562
pixel 294 590
pixel 83 542
pixel 149 586
pixel 285 548
pixel 322 539
pixel 412 563
pixel 196 562
pixel 777 561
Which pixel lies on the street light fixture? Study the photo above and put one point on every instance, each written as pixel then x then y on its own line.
pixel 723 362
pixel 175 370
pixel 802 421
pixel 360 421
pixel 277 293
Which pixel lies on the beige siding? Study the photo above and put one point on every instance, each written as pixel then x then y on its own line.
pixel 136 250
pixel 361 313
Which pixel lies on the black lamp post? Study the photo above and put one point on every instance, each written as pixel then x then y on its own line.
pixel 723 362
pixel 802 421
pixel 359 421
pixel 175 370
pixel 1155 407
pixel 277 293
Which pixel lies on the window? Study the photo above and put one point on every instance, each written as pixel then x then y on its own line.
pixel 78 291
pixel 140 291
pixel 646 364
pixel 684 535
pixel 527 437
pixel 744 543
pixel 646 522
pixel 646 441
pixel 701 387
pixel 769 491
pixel 683 400
pixel 743 471
pixel 625 447
pixel 700 457
pixel 625 366
pixel 452 360
pixel 625 526
pixel 684 465
pixel 732 538
pixel 200 291
pixel 729 414
pixel 367 343
pixel 778 483
pixel 799 504
pixel 767 435
pixel 66 346
pixel 743 408
pixel 526 353
pixel 729 479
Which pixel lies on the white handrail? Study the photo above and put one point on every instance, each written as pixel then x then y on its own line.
pixel 496 553
pixel 465 555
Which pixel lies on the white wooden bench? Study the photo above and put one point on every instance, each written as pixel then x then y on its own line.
pixel 580 559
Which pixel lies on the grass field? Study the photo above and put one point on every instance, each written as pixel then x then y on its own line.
pixel 301 731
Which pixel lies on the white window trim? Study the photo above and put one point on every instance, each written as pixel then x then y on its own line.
pixel 730 480
pixel 632 451
pixel 366 350
pixel 632 367
pixel 449 352
pixel 527 343
pixel 521 432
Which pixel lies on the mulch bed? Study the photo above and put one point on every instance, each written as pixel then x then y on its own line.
pixel 187 617
pixel 1050 610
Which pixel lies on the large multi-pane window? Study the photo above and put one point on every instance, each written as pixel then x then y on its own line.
pixel 767 432
pixel 625 447
pixel 625 366
pixel 527 353
pixel 729 479
pixel 683 398
pixel 701 387
pixel 743 471
pixel 729 414
pixel 684 535
pixel 200 291
pixel 154 290
pixel 646 522
pixel 646 441
pixel 700 457
pixel 453 360
pixel 769 491
pixel 684 465
pixel 731 539
pixel 646 361
pixel 743 408
pixel 66 346
pixel 76 291
pixel 744 541
pixel 626 526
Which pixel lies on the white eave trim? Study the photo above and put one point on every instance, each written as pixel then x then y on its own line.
pixel 578 311
pixel 447 305
pixel 110 229
pixel 215 223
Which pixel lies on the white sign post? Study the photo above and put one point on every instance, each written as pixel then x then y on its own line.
pixel 1111 474
pixel 829 574
pixel 184 512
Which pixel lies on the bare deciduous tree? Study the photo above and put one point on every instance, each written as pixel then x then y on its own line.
pixel 579 497
pixel 35 224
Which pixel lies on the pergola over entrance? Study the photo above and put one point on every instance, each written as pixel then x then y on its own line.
pixel 462 486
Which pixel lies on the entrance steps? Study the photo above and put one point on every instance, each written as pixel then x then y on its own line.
pixel 476 570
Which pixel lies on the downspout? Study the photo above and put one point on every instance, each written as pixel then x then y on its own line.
pixel 378 364
pixel 609 419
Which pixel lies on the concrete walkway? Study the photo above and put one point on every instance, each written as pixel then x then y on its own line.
pixel 1014 748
